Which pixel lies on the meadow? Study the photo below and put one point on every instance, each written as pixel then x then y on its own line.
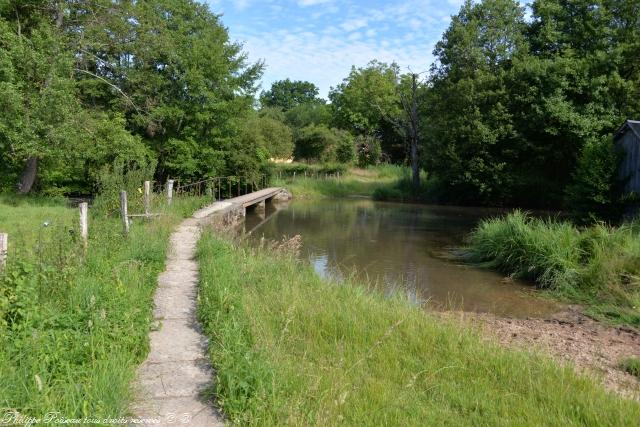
pixel 73 325
pixel 336 181
pixel 290 348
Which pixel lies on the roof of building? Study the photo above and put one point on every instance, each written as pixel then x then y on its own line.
pixel 633 125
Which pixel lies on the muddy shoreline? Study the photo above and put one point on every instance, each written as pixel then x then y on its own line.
pixel 568 336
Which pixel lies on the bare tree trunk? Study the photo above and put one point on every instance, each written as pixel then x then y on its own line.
pixel 413 133
pixel 28 176
pixel 30 170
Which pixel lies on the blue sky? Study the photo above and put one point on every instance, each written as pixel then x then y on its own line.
pixel 319 40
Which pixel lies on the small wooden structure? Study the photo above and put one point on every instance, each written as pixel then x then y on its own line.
pixel 627 139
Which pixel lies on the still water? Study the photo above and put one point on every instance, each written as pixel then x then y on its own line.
pixel 399 248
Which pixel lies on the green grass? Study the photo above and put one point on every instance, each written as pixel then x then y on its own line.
pixel 598 266
pixel 631 365
pixel 74 327
pixel 353 182
pixel 290 349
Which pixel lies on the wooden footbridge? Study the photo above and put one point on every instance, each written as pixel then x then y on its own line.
pixel 236 207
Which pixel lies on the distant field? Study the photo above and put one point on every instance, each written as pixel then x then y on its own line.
pixel 351 182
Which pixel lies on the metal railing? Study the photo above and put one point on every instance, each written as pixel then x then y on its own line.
pixel 223 187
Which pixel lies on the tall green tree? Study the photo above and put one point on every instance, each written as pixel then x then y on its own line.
pixel 367 103
pixel 472 143
pixel 170 66
pixel 287 94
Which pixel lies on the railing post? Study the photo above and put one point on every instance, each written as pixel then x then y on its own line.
pixel 169 191
pixel 147 197
pixel 4 249
pixel 124 214
pixel 84 223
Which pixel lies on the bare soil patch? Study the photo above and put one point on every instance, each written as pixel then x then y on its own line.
pixel 569 336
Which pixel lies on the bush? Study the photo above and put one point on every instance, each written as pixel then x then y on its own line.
pixel 346 149
pixel 369 150
pixel 592 195
pixel 122 175
pixel 319 143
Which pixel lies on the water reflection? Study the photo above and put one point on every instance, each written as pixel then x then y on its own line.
pixel 400 248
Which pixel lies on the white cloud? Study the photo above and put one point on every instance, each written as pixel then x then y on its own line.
pixel 354 24
pixel 305 3
pixel 321 44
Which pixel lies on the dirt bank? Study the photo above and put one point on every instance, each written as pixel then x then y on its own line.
pixel 591 346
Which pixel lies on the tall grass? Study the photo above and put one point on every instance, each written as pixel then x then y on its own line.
pixel 598 266
pixel 290 349
pixel 74 326
pixel 353 182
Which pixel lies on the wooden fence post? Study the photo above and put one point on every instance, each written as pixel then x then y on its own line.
pixel 84 223
pixel 147 197
pixel 124 212
pixel 169 191
pixel 4 248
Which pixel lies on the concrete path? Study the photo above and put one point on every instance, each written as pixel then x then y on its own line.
pixel 177 369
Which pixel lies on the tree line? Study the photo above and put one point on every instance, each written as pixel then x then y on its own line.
pixel 518 108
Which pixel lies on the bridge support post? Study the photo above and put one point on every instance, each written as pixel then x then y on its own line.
pixel 260 207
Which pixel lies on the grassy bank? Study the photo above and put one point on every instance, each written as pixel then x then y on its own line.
pixel 597 266
pixel 352 182
pixel 74 327
pixel 291 349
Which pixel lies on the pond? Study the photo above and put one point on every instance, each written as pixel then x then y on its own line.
pixel 399 248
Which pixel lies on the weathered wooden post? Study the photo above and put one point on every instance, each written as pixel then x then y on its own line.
pixel 4 248
pixel 84 223
pixel 294 174
pixel 124 212
pixel 147 197
pixel 169 191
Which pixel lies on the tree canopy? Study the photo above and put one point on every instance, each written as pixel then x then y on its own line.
pixel 287 94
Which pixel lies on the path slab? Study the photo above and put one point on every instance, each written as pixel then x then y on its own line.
pixel 172 380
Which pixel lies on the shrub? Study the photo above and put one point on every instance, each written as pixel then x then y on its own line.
pixel 320 143
pixel 346 149
pixel 592 195
pixel 369 150
pixel 122 175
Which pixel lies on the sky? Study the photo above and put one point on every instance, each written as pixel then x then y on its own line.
pixel 319 40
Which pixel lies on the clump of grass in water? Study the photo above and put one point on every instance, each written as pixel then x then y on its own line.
pixel 288 349
pixel 598 266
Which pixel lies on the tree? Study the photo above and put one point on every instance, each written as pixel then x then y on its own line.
pixel 287 94
pixel 268 130
pixel 472 144
pixel 169 65
pixel 319 143
pixel 48 137
pixel 411 126
pixel 367 103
